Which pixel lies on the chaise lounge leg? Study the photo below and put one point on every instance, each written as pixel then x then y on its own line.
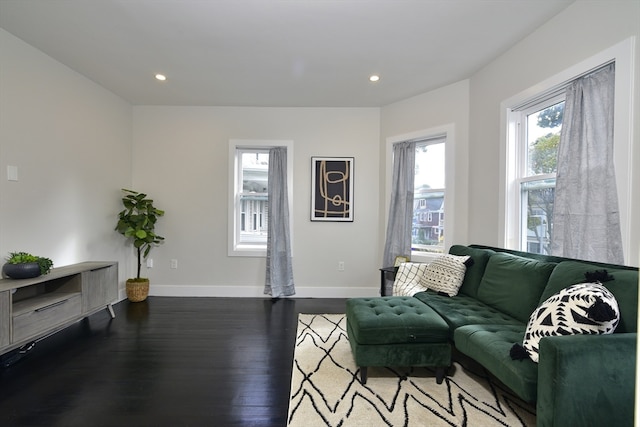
pixel 363 374
pixel 440 374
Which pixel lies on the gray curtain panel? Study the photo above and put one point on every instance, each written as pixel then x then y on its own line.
pixel 279 274
pixel 398 239
pixel 586 219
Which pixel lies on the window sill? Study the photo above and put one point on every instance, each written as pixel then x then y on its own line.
pixel 424 257
pixel 249 251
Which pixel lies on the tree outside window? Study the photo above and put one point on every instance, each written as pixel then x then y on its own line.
pixel 538 186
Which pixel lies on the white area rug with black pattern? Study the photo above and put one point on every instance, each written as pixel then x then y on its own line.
pixel 326 391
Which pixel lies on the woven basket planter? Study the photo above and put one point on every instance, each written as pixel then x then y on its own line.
pixel 137 289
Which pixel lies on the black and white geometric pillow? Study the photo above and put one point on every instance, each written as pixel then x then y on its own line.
pixel 585 308
pixel 408 277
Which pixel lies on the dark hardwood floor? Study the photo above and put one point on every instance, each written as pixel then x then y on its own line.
pixel 163 362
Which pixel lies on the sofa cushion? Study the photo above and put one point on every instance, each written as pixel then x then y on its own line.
pixel 624 287
pixel 572 311
pixel 587 380
pixel 475 270
pixel 514 284
pixel 463 310
pixel 489 345
pixel 394 320
pixel 445 274
pixel 408 278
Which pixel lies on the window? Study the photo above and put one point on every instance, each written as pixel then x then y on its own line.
pixel 248 195
pixel 536 139
pixel 428 198
pixel 434 190
pixel 252 196
pixel 510 218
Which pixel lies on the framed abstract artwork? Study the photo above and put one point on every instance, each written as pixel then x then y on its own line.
pixel 332 188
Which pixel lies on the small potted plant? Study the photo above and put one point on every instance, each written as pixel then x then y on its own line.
pixel 23 265
pixel 137 222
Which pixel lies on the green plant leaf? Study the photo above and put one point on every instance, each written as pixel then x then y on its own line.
pixel 137 222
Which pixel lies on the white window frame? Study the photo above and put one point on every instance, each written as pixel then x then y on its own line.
pixel 447 131
pixel 623 55
pixel 252 217
pixel 519 167
pixel 235 145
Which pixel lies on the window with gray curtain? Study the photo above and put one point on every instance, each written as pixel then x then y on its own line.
pixel 279 271
pixel 586 213
pixel 398 239
pixel 563 145
pixel 416 210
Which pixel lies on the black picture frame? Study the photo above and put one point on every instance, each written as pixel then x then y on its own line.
pixel 332 189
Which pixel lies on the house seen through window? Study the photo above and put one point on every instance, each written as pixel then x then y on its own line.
pixel 253 196
pixel 427 233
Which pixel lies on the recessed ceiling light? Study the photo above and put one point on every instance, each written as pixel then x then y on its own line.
pixel 161 77
pixel 374 78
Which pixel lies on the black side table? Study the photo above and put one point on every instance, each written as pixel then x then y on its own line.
pixel 386 273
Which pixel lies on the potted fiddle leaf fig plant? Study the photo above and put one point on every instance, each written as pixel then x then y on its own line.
pixel 137 223
pixel 23 265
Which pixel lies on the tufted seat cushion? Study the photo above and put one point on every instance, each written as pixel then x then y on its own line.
pixel 489 345
pixel 395 320
pixel 464 310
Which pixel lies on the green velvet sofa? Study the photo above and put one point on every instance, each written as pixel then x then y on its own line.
pixel 580 380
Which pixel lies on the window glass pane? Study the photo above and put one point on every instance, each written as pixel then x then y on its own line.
pixel 543 128
pixel 255 166
pixel 253 197
pixel 543 136
pixel 538 198
pixel 428 205
pixel 429 166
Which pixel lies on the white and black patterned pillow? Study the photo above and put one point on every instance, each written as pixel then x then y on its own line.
pixel 585 308
pixel 445 274
pixel 407 281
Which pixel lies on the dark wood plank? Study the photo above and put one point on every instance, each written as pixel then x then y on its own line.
pixel 163 362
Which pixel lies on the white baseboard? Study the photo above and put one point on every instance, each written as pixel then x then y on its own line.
pixel 257 292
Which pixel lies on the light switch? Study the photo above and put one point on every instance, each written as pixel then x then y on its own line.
pixel 12 173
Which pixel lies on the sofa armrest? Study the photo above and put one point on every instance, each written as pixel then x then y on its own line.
pixel 586 380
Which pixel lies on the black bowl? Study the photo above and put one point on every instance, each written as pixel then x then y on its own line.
pixel 26 270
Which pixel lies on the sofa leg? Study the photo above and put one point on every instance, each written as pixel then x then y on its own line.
pixel 363 374
pixel 440 374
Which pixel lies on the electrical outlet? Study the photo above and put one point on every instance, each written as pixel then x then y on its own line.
pixel 340 265
pixel 174 263
pixel 12 173
pixel 149 262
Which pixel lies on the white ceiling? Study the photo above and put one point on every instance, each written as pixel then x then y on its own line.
pixel 299 53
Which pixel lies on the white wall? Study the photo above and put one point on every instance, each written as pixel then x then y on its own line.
pixel 582 30
pixel 71 142
pixel 76 144
pixel 180 159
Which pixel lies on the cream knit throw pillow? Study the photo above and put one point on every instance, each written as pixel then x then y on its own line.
pixel 445 274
